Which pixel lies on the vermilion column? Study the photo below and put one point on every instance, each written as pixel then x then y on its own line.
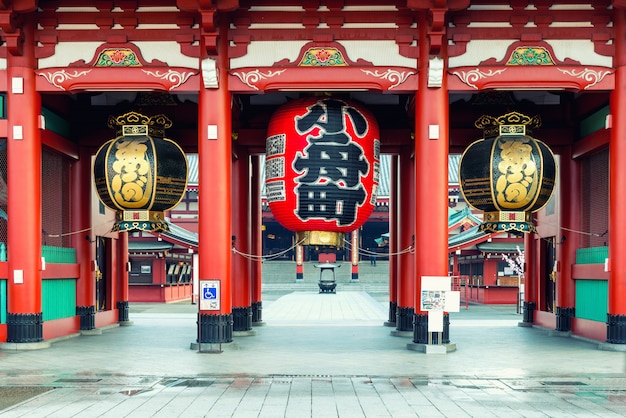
pixel 214 210
pixel 568 240
pixel 406 261
pixel 242 296
pixel 354 255
pixel 122 279
pixel 431 180
pixel 393 241
pixel 616 318
pixel 24 318
pixel 531 279
pixel 81 221
pixel 256 222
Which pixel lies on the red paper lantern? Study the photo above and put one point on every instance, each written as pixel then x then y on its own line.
pixel 322 167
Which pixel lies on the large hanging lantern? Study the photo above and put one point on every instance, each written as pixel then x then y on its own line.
pixel 140 174
pixel 508 174
pixel 322 168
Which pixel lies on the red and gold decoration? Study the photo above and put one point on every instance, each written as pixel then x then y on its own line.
pixel 508 174
pixel 322 168
pixel 140 174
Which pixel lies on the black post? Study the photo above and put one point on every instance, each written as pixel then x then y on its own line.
pixel 122 311
pixel 24 328
pixel 242 319
pixel 420 329
pixel 529 309
pixel 616 329
pixel 404 319
pixel 215 329
pixel 564 318
pixel 257 312
pixel 87 315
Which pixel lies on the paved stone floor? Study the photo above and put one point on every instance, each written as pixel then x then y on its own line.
pixel 317 355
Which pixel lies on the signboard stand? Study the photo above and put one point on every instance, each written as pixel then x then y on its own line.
pixel 209 295
pixel 437 298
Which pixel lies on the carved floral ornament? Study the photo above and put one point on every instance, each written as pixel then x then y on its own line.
pixel 548 71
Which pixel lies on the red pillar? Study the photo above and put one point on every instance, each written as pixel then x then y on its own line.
pixel 431 180
pixel 24 318
pixel 299 262
pixel 406 260
pixel 393 241
pixel 616 318
pixel 354 255
pixel 256 223
pixel 214 208
pixel 531 278
pixel 81 221
pixel 241 283
pixel 122 280
pixel 570 196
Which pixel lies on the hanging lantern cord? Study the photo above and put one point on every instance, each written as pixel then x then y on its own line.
pixel 365 252
pixel 256 257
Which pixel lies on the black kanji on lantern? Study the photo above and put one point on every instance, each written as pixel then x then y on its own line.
pixel 329 201
pixel 332 164
pixel 339 163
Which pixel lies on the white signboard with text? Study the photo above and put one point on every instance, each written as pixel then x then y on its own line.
pixel 209 295
pixel 437 298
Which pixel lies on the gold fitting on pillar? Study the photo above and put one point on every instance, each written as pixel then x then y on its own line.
pixel 327 238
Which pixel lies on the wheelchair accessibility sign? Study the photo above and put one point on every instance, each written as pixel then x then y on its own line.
pixel 209 295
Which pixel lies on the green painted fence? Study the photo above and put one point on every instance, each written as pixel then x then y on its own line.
pixel 592 255
pixel 3 301
pixel 58 254
pixel 58 298
pixel 592 299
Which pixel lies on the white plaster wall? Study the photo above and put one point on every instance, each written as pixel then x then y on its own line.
pixel 168 52
pixel 266 53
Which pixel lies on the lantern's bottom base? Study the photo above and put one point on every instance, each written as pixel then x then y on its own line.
pixel 524 227
pixel 128 226
pixel 328 238
pixel 140 220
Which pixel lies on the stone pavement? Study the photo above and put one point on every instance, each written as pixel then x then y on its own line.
pixel 317 355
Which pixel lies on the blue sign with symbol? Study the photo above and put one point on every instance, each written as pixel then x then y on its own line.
pixel 209 293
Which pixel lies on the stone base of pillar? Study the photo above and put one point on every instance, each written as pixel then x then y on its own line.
pixel 432 348
pixel 391 322
pixel 24 346
pixel 214 348
pixel 616 329
pixel 24 328
pixel 404 334
pixel 87 315
pixel 214 329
